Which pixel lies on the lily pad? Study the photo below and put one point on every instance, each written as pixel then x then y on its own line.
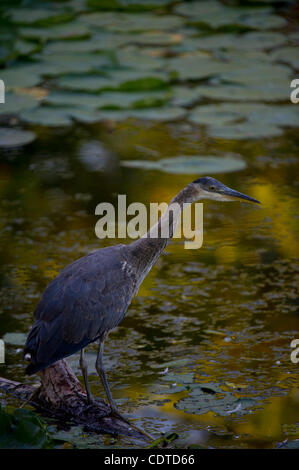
pixel 85 82
pixel 260 115
pixel 194 68
pixel 71 30
pixel 131 5
pixel 257 92
pixel 39 16
pixel 20 76
pixel 46 116
pixel 184 96
pixel 114 100
pixel 210 397
pixel 160 114
pixel 244 130
pixel 288 55
pixel 15 339
pixel 188 165
pixel 129 22
pixel 215 15
pixel 62 63
pixel 14 103
pixel 133 57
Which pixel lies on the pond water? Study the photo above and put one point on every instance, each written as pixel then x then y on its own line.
pixel 204 350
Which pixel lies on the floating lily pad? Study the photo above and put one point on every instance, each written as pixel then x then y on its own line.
pixel 15 339
pixel 128 22
pixel 216 15
pixel 39 16
pixel 64 63
pixel 195 68
pixel 25 48
pixel 288 55
pixel 47 116
pixel 252 41
pixel 133 57
pixel 131 5
pixel 15 103
pixel 88 82
pixel 260 115
pixel 187 165
pixel 210 397
pixel 258 73
pixel 184 96
pixel 159 114
pixel 244 130
pixel 71 30
pixel 260 92
pixel 214 114
pixel 116 100
pixel 92 44
pixel 20 76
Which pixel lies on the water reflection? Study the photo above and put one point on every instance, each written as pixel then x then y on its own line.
pixel 228 309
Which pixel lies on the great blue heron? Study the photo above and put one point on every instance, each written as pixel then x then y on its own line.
pixel 90 296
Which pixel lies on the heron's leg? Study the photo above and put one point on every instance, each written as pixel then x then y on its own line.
pixel 102 374
pixel 83 367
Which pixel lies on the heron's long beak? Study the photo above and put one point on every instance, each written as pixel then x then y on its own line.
pixel 235 196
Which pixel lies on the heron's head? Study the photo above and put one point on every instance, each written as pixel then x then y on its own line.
pixel 209 188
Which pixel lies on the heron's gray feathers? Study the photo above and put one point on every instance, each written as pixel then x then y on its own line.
pixel 86 300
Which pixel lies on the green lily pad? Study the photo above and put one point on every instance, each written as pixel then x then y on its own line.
pixel 15 339
pixel 25 48
pixel 260 92
pixel 244 130
pixel 20 76
pixel 15 103
pixel 39 16
pixel 184 379
pixel 215 15
pixel 23 429
pixel 257 72
pixel 71 30
pixel 187 165
pixel 260 115
pixel 160 114
pixel 210 397
pixel 131 5
pixel 194 68
pixel 133 57
pixel 214 114
pixel 116 100
pixel 252 41
pixel 64 63
pixel 86 82
pixel 46 116
pixel 129 22
pixel 288 55
pixel 184 96
pixel 125 80
pixel 92 44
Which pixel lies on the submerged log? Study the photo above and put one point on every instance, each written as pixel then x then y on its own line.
pixel 61 396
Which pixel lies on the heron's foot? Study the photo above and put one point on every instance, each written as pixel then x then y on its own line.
pixel 116 414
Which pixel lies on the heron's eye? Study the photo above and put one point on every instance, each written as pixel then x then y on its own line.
pixel 212 188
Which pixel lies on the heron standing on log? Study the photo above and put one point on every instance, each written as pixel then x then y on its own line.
pixel 91 296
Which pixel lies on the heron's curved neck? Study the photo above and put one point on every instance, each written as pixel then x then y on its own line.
pixel 151 245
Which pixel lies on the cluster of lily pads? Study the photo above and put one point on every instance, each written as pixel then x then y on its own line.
pixel 228 68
